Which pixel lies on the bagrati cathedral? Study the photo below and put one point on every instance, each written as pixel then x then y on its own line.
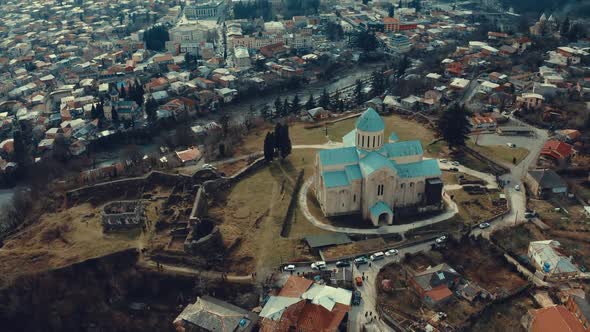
pixel 375 178
pixel 545 26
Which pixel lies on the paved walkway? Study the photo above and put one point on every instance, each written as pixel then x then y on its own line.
pixel 190 271
pixel 451 210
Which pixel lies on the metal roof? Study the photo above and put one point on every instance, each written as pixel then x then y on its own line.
pixel 404 148
pixel 370 121
pixel 379 208
pixel 339 156
pixel 330 239
pixel 335 179
pixel 428 167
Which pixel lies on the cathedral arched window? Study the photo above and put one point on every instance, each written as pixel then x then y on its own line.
pixel 411 184
pixel 403 185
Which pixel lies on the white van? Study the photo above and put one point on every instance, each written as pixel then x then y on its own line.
pixel 377 256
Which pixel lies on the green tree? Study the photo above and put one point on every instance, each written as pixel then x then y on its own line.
pixel 156 37
pixel 358 92
pixel 565 27
pixel 402 66
pixel 21 151
pixel 278 106
pixel 324 99
pixel 310 102
pixel 282 139
pixel 269 147
pixel 295 106
pixel 365 40
pixel 378 82
pixel 391 12
pixel 454 125
pixel 265 112
pixel 286 107
pixel 123 93
pixel 151 107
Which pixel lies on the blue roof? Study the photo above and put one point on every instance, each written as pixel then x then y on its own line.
pixel 393 137
pixel 404 148
pixel 335 179
pixel 370 121
pixel 565 266
pixel 428 167
pixel 350 138
pixel 379 208
pixel 374 161
pixel 353 172
pixel 339 156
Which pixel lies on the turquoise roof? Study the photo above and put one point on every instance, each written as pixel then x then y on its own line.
pixel 404 148
pixel 350 138
pixel 370 121
pixel 335 179
pixel 353 172
pixel 379 208
pixel 374 161
pixel 393 137
pixel 339 156
pixel 428 167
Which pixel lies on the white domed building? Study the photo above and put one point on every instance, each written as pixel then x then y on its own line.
pixel 375 178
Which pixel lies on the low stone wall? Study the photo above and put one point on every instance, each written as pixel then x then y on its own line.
pixel 117 188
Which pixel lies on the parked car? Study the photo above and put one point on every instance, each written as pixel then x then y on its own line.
pixel 359 281
pixel 318 265
pixel 454 169
pixel 391 252
pixel 361 260
pixel 455 163
pixel 208 166
pixel 511 145
pixel 517 187
pixel 289 267
pixel 441 239
pixel 342 263
pixel 484 225
pixel 356 297
pixel 443 161
pixel 377 256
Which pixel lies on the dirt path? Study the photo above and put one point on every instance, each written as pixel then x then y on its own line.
pixel 187 270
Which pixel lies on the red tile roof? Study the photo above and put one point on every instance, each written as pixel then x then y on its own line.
pixel 439 293
pixel 295 287
pixel 557 150
pixel 553 319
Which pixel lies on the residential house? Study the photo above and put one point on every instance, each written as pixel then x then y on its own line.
pixel 434 285
pixel 544 183
pixel 189 156
pixel 479 122
pixel 552 319
pixel 318 113
pixel 214 315
pixel 581 309
pixel 302 305
pixel 557 153
pixel 530 100
pixel 227 94
pixel 550 260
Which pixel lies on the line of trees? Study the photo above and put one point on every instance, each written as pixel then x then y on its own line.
pixel 277 143
pixel 253 9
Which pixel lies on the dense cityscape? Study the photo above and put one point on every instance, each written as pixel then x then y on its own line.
pixel 295 165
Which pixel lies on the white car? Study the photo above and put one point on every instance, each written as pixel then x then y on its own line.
pixel 208 166
pixel 484 225
pixel 443 161
pixel 511 145
pixel 440 239
pixel 455 163
pixel 289 267
pixel 517 187
pixel 391 252
pixel 318 265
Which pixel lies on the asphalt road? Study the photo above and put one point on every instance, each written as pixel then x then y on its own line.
pixel 517 172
